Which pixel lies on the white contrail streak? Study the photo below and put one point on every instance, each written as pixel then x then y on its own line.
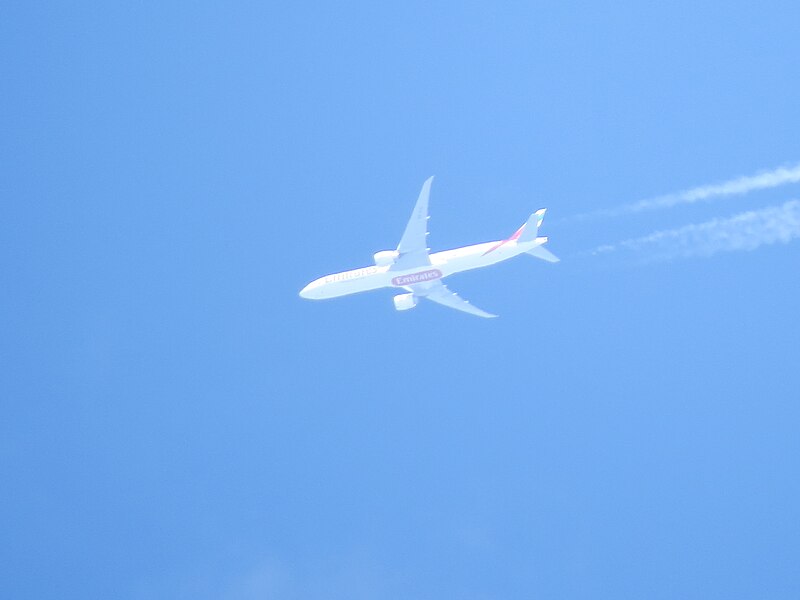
pixel 745 231
pixel 732 187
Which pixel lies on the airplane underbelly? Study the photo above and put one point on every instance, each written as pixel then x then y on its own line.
pixel 354 286
pixel 466 263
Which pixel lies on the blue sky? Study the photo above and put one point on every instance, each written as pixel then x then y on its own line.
pixel 177 423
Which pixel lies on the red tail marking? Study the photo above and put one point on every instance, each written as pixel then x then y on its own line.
pixel 517 233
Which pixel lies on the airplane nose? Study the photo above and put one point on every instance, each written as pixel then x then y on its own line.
pixel 311 291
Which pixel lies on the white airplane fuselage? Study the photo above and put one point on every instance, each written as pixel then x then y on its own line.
pixel 442 265
pixel 411 267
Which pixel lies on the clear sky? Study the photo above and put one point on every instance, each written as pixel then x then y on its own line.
pixel 177 423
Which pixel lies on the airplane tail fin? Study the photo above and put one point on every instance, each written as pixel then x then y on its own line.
pixel 530 231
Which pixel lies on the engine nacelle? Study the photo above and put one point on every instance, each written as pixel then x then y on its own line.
pixel 384 258
pixel 405 301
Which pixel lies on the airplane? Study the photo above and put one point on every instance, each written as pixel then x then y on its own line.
pixel 412 268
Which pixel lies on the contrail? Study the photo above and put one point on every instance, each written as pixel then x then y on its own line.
pixel 732 187
pixel 745 231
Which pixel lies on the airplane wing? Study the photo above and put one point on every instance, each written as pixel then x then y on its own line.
pixel 413 246
pixel 436 291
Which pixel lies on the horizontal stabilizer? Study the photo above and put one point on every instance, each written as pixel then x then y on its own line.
pixel 541 252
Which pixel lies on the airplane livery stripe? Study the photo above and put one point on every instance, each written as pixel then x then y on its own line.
pixel 517 233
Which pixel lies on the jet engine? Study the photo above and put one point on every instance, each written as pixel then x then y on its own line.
pixel 405 301
pixel 384 258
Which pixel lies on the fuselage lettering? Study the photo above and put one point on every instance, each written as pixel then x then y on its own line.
pixel 421 277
